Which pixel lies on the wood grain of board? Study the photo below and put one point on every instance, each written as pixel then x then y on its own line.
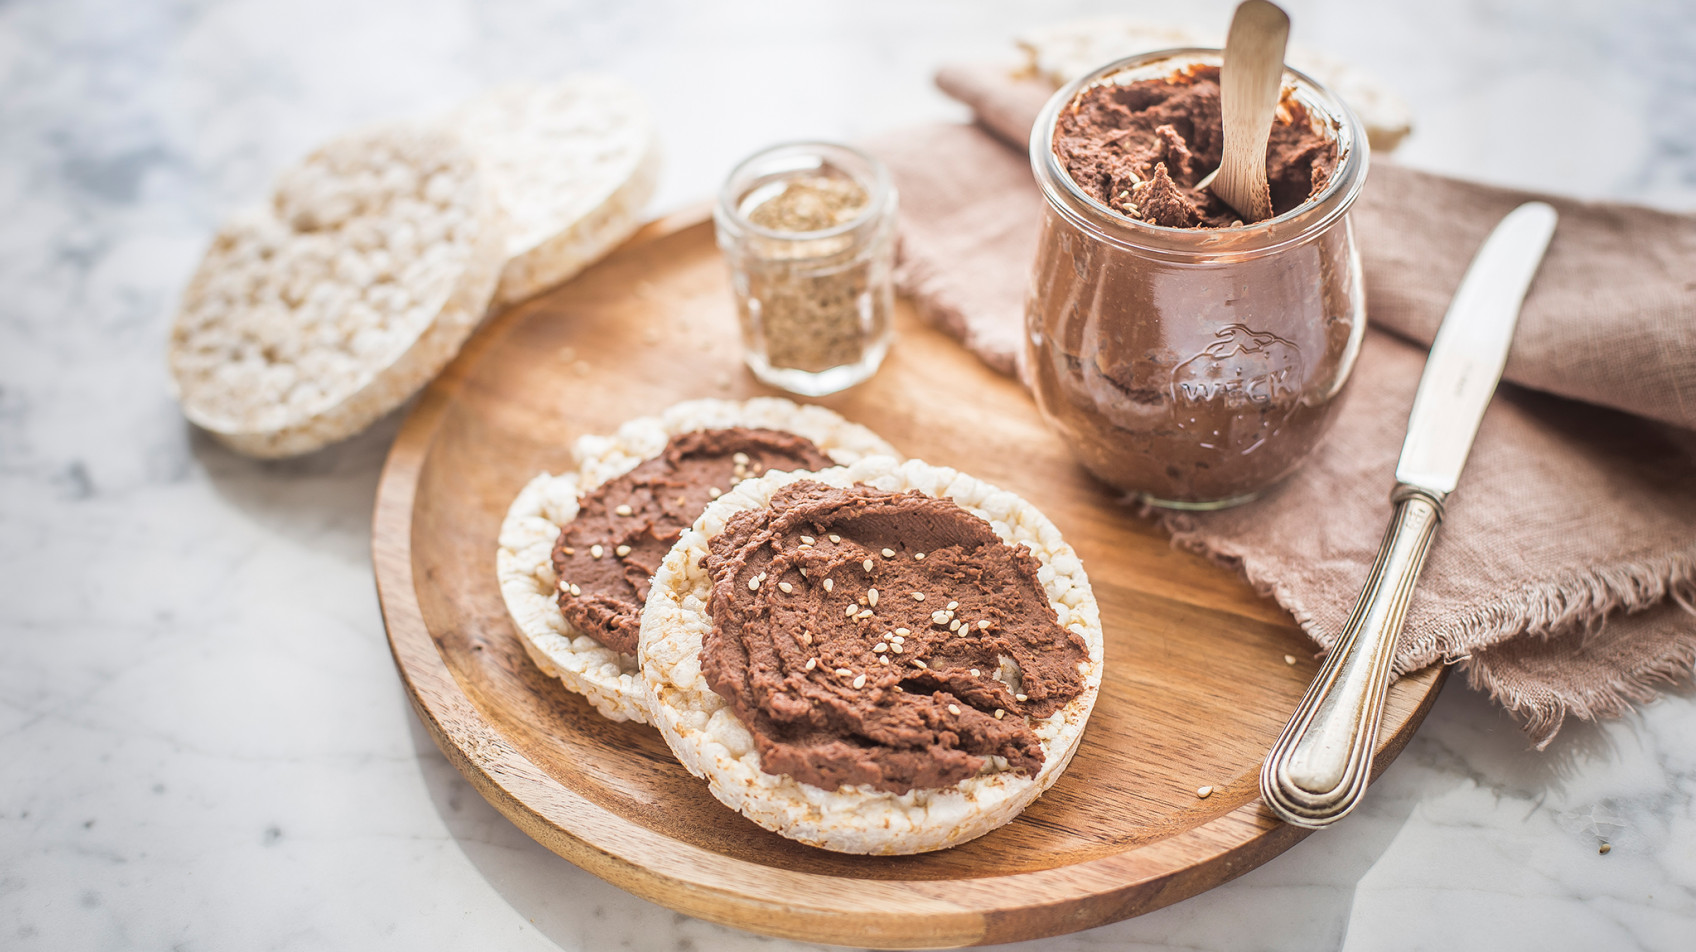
pixel 1196 685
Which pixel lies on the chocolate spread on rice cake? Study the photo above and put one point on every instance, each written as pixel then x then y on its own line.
pixel 606 557
pixel 888 639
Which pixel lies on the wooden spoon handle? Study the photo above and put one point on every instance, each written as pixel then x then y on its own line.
pixel 1249 84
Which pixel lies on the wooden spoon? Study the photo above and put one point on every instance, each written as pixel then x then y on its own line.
pixel 1249 84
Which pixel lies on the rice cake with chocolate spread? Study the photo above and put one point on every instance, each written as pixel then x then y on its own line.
pixel 605 557
pixel 854 706
pixel 539 516
pixel 947 627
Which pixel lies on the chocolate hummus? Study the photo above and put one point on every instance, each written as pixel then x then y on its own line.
pixel 1140 148
pixel 1196 365
pixel 889 639
pixel 606 556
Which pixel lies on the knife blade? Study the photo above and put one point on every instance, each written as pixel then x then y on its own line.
pixel 1317 770
pixel 1471 349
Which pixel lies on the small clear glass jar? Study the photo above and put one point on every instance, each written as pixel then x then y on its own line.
pixel 1194 367
pixel 816 306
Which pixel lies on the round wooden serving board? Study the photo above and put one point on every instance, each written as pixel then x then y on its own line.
pixel 1196 688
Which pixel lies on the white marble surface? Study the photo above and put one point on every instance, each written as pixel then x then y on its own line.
pixel 203 744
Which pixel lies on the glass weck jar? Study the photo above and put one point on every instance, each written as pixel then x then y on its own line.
pixel 1194 367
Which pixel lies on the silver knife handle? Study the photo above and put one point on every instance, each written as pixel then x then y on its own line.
pixel 1317 770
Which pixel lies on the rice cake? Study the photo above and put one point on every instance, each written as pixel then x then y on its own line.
pixel 607 678
pixel 314 315
pixel 703 731
pixel 572 163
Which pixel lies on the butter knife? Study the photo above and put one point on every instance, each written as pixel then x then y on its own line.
pixel 1317 770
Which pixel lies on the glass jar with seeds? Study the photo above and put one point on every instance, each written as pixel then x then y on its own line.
pixel 808 230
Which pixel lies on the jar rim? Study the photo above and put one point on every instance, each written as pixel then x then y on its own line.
pixel 871 175
pixel 1262 237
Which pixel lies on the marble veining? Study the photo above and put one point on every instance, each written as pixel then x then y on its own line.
pixel 203 741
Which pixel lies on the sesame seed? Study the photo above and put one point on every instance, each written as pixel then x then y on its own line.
pixel 806 637
pixel 919 663
pixel 954 625
pixel 918 596
pixel 828 584
pixel 1204 792
pixel 882 659
pixel 896 647
pixel 714 492
pixel 803 572
pixel 806 540
pixel 835 538
pixel 919 555
pixel 865 613
pixel 850 612
pixel 871 597
pixel 999 713
pixel 902 631
pixel 860 681
pixel 811 664
pixel 843 672
pixel 568 550
pixel 1020 697
pixel 974 672
pixel 785 587
pixel 754 584
pixel 621 551
pixel 900 690
pixel 576 591
pixel 939 618
pixel 595 551
pixel 983 623
pixel 953 605
pixel 879 648
pixel 1605 848
pixel 740 458
pixel 623 510
pixel 954 709
pixel 889 553
pixel 867 565
pixel 1289 659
